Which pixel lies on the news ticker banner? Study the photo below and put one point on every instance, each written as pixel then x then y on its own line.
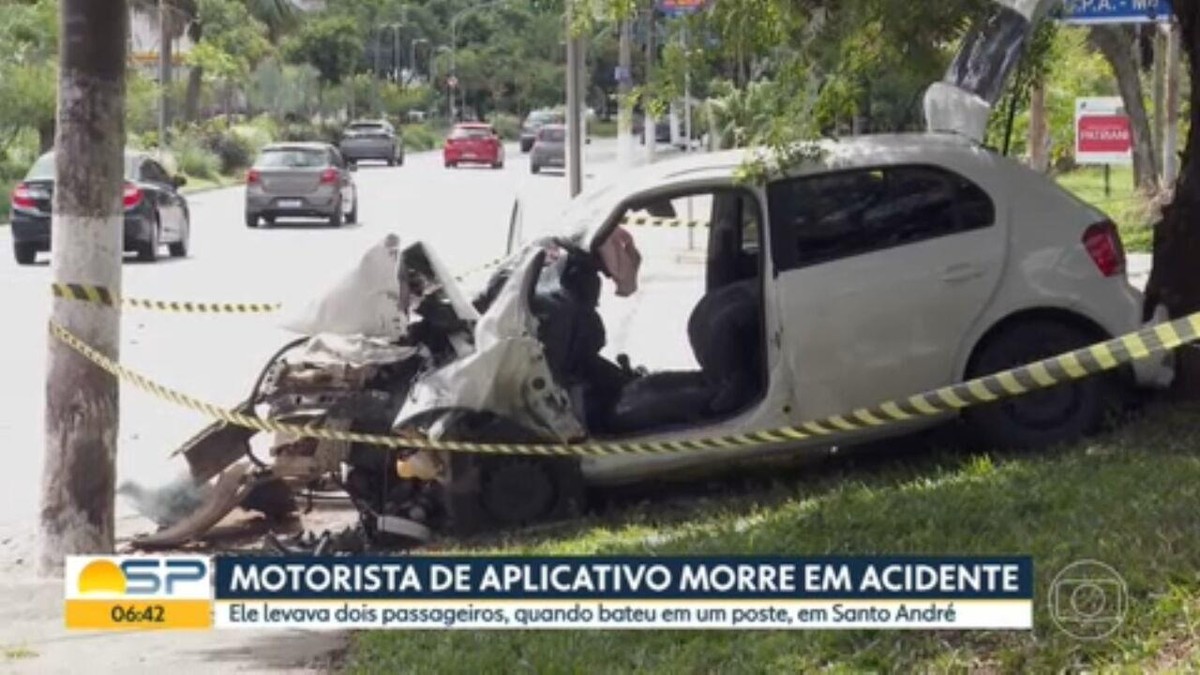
pixel 425 592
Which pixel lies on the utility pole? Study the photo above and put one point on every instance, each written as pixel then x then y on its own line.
pixel 574 105
pixel 82 401
pixel 1170 133
pixel 164 74
pixel 624 120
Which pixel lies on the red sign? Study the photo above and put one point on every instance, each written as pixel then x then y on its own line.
pixel 1104 133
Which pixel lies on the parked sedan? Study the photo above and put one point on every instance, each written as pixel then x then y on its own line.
pixel 155 212
pixel 550 148
pixel 301 180
pixel 473 143
pixel 372 140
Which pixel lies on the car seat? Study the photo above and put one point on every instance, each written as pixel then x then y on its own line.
pixel 725 333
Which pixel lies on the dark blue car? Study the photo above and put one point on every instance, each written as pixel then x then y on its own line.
pixel 156 214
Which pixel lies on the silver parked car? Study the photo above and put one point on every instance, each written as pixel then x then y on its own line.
pixel 365 140
pixel 550 148
pixel 301 180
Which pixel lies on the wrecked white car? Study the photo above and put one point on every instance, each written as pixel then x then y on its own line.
pixel 881 267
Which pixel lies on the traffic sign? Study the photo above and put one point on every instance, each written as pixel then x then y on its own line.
pixel 1116 11
pixel 1102 131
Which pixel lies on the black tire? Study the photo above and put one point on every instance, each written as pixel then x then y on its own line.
pixel 534 168
pixel 526 146
pixel 352 217
pixel 147 251
pixel 400 159
pixel 336 218
pixel 251 220
pixel 391 162
pixel 179 249
pixel 1059 414
pixel 24 253
pixel 498 165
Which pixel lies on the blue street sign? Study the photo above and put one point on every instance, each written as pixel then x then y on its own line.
pixel 1115 11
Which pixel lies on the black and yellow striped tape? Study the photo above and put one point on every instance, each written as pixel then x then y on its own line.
pixel 1073 365
pixel 103 296
pixel 650 221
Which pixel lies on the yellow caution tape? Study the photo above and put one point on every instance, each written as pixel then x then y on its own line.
pixel 103 296
pixel 651 221
pixel 1007 384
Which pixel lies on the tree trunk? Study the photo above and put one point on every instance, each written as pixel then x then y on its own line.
pixel 1174 282
pixel 165 76
pixel 1039 131
pixel 192 101
pixel 1117 43
pixel 81 399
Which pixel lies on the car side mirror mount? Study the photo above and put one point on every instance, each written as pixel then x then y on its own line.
pixel 178 180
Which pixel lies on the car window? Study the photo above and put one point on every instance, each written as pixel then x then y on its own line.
pixel 816 219
pixel 471 132
pixel 151 171
pixel 293 158
pixel 368 128
pixel 552 135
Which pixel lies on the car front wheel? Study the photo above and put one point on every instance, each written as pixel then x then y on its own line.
pixel 1043 417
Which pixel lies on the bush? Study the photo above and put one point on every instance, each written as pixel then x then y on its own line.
pixel 508 126
pixel 233 150
pixel 418 137
pixel 195 160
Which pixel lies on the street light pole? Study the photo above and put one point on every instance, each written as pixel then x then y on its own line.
pixel 574 107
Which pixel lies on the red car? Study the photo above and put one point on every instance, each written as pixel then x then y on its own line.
pixel 473 143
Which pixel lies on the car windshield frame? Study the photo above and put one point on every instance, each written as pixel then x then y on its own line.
pixel 294 151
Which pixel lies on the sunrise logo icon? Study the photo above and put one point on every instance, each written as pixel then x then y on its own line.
pixel 102 576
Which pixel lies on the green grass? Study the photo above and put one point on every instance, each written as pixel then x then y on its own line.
pixel 603 129
pixel 1129 210
pixel 1129 499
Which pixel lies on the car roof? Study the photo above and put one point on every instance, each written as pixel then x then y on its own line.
pixel 850 152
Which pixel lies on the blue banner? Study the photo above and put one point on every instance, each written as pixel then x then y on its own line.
pixel 589 578
pixel 1115 11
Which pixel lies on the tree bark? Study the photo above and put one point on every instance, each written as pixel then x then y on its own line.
pixel 1174 282
pixel 192 100
pixel 81 399
pixel 1039 131
pixel 1117 43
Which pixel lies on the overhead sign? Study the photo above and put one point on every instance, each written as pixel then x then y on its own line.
pixel 681 7
pixel 1102 131
pixel 1116 11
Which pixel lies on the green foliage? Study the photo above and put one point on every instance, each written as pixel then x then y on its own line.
pixel 330 44
pixel 419 137
pixel 193 159
pixel 508 126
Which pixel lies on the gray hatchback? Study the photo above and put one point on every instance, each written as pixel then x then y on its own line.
pixel 372 140
pixel 550 148
pixel 300 180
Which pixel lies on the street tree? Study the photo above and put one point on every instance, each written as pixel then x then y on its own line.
pixel 77 506
pixel 1174 283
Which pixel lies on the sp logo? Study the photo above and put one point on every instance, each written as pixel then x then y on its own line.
pixel 153 576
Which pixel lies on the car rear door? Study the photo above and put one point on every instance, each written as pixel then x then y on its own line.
pixel 880 272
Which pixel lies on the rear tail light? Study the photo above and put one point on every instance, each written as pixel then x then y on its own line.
pixel 253 177
pixel 21 197
pixel 1103 244
pixel 132 196
pixel 329 176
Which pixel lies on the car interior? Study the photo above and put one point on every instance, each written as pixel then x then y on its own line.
pixel 616 399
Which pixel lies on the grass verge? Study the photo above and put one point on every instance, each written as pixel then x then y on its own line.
pixel 1128 498
pixel 1131 211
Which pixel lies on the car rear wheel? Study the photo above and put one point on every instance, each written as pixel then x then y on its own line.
pixel 1044 417
pixel 148 250
pixel 498 165
pixel 251 220
pixel 335 219
pixel 400 159
pixel 179 249
pixel 24 253
pixel 352 216
pixel 534 168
